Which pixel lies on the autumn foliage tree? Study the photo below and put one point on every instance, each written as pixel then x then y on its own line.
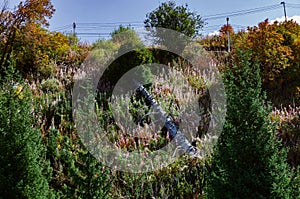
pixel 218 42
pixel 275 47
pixel 30 11
pixel 27 43
pixel 290 77
pixel 36 48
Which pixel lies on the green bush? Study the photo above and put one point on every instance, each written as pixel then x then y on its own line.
pixel 51 85
pixel 184 178
pixel 24 171
pixel 247 162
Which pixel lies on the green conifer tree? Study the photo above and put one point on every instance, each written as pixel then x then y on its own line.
pixel 21 171
pixel 247 162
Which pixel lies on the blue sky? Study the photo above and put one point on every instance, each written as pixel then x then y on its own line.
pixel 115 12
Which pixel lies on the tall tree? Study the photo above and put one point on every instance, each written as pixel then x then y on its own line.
pixel 13 24
pixel 270 48
pixel 23 166
pixel 178 18
pixel 247 162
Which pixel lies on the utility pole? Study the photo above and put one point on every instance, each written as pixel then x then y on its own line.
pixel 283 3
pixel 74 28
pixel 228 33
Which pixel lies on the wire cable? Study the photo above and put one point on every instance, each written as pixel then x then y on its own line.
pixel 292 5
pixel 241 12
pixel 102 29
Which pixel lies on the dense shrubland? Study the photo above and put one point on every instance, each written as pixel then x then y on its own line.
pixel 42 155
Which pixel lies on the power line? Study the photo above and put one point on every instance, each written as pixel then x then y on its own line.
pixel 105 28
pixel 241 12
pixel 93 34
pixel 95 26
pixel 62 28
pixel 110 23
pixel 108 34
pixel 91 25
pixel 292 5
